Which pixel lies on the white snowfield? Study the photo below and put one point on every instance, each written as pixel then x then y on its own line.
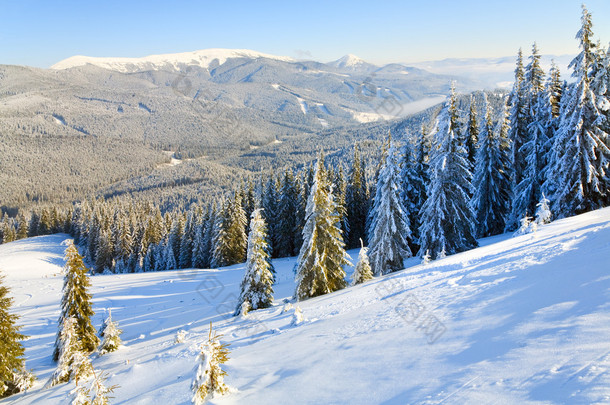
pixel 522 320
pixel 202 58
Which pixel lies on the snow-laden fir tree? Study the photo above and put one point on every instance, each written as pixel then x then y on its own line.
pixel 600 85
pixel 76 303
pixel 94 391
pixel 270 202
pixel 287 216
pixel 356 201
pixel 72 362
pixel 447 217
pixel 185 259
pixel 111 335
pixel 492 179
pixel 198 253
pixel 168 257
pixel 534 147
pixel 543 211
pixel 580 156
pixel 175 238
pixel 413 193
pixel 517 101
pixel 363 271
pixel 230 242
pixel 320 264
pixel 257 284
pixel 13 376
pixel 389 231
pixel 472 133
pixel 209 379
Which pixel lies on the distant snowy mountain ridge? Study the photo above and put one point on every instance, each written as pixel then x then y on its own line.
pixel 202 58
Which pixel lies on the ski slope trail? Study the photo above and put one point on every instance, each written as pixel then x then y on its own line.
pixel 518 320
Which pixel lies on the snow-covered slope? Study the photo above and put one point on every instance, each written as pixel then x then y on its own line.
pixel 518 320
pixel 203 58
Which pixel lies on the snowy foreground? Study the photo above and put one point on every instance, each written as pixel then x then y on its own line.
pixel 518 320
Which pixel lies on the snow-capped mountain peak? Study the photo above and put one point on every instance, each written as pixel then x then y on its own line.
pixel 351 62
pixel 202 58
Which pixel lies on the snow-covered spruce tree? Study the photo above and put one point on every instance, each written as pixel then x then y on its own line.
pixel 198 253
pixel 320 264
pixel 472 133
pixel 447 217
pixel 76 303
pixel 389 231
pixel 94 391
pixel 209 380
pixel 208 236
pixel 517 101
pixel 287 216
pixel 185 258
pixel 230 244
pixel 11 350
pixel 356 201
pixel 543 212
pixel 270 201
pixel 533 150
pixel 257 285
pixel 580 156
pixel 111 335
pixel 363 271
pixel 175 239
pixel 72 362
pixel 104 250
pixel 168 257
pixel 413 192
pixel 492 180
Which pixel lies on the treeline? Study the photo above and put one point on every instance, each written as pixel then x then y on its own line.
pixel 128 236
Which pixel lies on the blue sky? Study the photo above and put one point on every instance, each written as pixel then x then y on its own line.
pixel 40 33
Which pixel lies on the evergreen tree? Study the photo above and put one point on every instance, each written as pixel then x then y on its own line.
pixel 492 180
pixel 76 303
pixel 413 192
pixel 389 231
pixel 257 285
pixel 199 249
pixel 472 131
pixel 322 257
pixel 168 261
pixel 104 252
pixel 554 89
pixel 175 238
pixel 580 156
pixel 208 237
pixel 209 380
pixel 231 241
pixel 356 201
pixel 22 231
pixel 543 212
pixel 72 361
pixel 517 102
pixel 363 271
pixel 111 335
pixel 11 349
pixel 447 217
pixel 186 243
pixel 287 218
pixel 270 201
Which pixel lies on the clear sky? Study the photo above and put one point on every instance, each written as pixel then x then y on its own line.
pixel 40 33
